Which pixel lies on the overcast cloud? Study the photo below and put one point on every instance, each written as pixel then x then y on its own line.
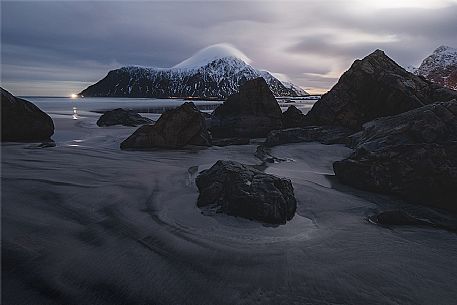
pixel 56 48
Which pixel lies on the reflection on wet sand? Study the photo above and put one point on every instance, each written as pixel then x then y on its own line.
pixel 75 113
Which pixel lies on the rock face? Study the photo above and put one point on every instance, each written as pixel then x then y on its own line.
pixel 374 87
pixel 434 123
pixel 22 121
pixel 412 155
pixel 423 173
pixel 184 125
pixel 244 191
pixel 250 113
pixel 121 116
pixel 214 72
pixel 293 117
pixel 323 134
pixel 441 67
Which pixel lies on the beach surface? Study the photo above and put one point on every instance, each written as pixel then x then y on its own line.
pixel 87 223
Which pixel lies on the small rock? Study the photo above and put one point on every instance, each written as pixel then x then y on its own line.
pixel 416 218
pixel 263 153
pixel 397 217
pixel 121 116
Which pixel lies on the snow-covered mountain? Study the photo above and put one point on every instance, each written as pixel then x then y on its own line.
pixel 411 69
pixel 441 67
pixel 214 72
pixel 298 90
pixel 276 86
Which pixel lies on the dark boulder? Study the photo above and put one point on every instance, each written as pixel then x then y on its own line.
pixel 22 121
pixel 293 117
pixel 374 87
pixel 241 190
pixel 323 134
pixel 121 116
pixel 184 125
pixel 250 113
pixel 423 173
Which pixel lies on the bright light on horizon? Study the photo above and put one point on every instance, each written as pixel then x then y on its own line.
pixel 74 95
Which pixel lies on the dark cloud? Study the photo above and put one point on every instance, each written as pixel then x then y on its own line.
pixel 45 44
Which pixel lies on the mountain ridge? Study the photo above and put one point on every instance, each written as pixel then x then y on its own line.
pixel 213 72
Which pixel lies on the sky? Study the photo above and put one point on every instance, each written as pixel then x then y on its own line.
pixel 58 48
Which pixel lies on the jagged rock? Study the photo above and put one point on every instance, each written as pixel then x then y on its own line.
pixel 434 123
pixel 263 153
pixel 293 117
pixel 231 141
pixel 121 116
pixel 241 190
pixel 374 87
pixel 323 134
pixel 250 113
pixel 184 125
pixel 412 155
pixel 423 173
pixel 22 121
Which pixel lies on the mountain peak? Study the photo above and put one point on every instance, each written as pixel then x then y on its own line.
pixel 444 48
pixel 441 67
pixel 211 53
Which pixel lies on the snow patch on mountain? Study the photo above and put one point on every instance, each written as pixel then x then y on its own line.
pixel 441 67
pixel 411 69
pixel 442 57
pixel 270 77
pixel 295 88
pixel 211 53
